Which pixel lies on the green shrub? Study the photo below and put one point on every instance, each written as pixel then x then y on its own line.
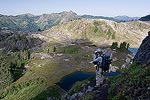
pixel 69 49
pixel 126 86
pixel 77 86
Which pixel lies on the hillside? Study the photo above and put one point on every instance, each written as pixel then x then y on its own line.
pixel 47 67
pixel 29 22
pixel 17 40
pixel 143 54
pixel 145 18
pixel 99 31
pixel 131 84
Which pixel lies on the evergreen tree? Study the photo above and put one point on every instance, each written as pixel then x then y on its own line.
pixel 123 46
pixel 54 50
pixel 28 54
pixel 47 50
pixel 114 45
pixel 6 77
pixel 128 45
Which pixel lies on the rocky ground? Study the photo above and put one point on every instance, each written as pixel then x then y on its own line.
pixel 88 91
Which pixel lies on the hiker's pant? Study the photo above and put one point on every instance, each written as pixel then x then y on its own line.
pixel 97 68
pixel 99 77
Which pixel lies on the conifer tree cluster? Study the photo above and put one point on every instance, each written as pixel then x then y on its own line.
pixel 12 69
pixel 123 46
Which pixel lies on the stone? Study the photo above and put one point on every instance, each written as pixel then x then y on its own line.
pixel 88 82
pixel 143 53
pixel 83 85
pixel 89 89
pixel 128 60
pixel 123 66
pixel 27 66
pixel 66 59
pixel 113 68
pixel 59 54
pixel 52 98
pixel 114 59
pixel 44 56
pixel 130 56
pixel 80 94
pixel 73 96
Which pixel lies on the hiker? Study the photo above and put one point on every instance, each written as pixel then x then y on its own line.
pixel 97 60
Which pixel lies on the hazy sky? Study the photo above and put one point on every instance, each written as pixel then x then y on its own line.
pixel 92 7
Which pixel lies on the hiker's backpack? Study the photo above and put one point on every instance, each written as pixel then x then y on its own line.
pixel 106 61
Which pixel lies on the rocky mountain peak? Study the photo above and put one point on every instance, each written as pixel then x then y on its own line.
pixel 68 12
pixel 26 15
pixel 68 16
pixel 143 54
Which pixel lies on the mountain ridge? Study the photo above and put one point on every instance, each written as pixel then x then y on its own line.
pixel 122 18
pixel 97 30
pixel 29 22
pixel 125 18
pixel 145 18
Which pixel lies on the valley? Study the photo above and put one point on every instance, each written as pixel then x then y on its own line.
pixel 33 61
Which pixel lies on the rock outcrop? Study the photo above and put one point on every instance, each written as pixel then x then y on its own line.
pixel 145 18
pixel 89 92
pixel 14 41
pixel 143 54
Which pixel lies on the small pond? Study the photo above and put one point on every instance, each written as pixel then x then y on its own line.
pixel 133 50
pixel 68 81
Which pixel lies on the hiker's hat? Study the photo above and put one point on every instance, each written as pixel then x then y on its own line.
pixel 98 50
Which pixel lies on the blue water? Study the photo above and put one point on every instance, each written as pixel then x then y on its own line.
pixel 133 50
pixel 68 81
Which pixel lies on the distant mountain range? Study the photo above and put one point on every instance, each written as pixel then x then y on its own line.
pixel 28 22
pixel 97 17
pixel 125 18
pixel 117 18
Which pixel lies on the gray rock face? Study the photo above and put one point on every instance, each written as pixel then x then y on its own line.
pixel 143 54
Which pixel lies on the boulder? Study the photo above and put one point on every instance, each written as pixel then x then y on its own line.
pixel 89 89
pixel 113 68
pixel 73 96
pixel 143 53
